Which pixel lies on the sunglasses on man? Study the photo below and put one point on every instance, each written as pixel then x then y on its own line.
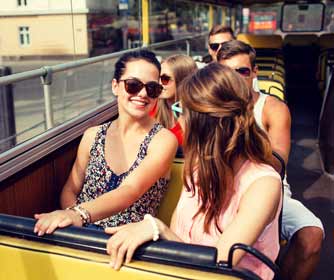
pixel 165 79
pixel 244 71
pixel 215 46
pixel 134 86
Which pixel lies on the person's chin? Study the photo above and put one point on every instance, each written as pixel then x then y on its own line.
pixel 140 112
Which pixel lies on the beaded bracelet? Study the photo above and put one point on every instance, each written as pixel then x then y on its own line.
pixel 84 214
pixel 154 225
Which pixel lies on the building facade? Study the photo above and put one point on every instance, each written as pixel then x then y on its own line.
pixel 43 28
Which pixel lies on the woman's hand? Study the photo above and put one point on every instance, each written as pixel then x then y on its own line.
pixel 126 239
pixel 48 222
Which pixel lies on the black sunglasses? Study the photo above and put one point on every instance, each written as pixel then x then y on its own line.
pixel 243 71
pixel 165 79
pixel 133 86
pixel 215 46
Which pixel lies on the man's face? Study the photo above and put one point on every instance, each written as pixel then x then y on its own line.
pixel 218 39
pixel 241 64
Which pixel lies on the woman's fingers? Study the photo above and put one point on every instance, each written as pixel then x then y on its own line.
pixel 114 244
pixel 41 227
pixel 125 240
pixel 48 222
pixel 112 230
pixel 131 250
pixel 120 255
pixel 52 226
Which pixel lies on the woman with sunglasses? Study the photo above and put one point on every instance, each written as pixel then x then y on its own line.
pixel 109 184
pixel 231 193
pixel 173 70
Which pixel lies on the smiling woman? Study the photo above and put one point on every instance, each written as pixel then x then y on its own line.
pixel 108 185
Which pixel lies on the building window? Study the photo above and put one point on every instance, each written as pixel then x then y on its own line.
pixel 24 35
pixel 22 3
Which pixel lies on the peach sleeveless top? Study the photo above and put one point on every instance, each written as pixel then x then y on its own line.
pixel 192 230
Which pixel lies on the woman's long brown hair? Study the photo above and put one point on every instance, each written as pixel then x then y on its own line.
pixel 219 128
pixel 181 66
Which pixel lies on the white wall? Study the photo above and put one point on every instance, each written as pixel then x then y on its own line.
pixel 10 7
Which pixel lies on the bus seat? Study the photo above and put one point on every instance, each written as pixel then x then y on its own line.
pixel 274 62
pixel 271 67
pixel 271 87
pixel 262 41
pixel 173 192
pixel 326 41
pixel 326 58
pixel 272 75
pixel 326 128
pixel 300 40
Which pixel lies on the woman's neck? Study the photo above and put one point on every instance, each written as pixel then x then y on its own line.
pixel 126 124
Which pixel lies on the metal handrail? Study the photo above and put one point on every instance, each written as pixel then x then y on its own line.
pixel 46 72
pixel 86 61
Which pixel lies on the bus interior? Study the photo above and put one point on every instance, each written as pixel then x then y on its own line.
pixel 294 41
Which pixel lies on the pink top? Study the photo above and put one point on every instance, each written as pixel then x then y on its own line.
pixel 192 230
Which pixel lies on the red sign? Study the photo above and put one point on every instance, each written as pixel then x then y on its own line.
pixel 262 21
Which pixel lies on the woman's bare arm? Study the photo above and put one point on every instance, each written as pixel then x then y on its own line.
pixel 257 209
pixel 76 178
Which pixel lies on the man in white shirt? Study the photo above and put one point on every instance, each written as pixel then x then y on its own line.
pixel 300 226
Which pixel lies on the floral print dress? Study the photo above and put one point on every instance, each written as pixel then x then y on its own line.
pixel 100 179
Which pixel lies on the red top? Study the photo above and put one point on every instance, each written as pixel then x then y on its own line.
pixel 177 131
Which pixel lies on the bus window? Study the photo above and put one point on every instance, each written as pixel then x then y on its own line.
pixel 259 19
pixel 302 17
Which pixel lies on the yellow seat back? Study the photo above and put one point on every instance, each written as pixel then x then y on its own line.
pixel 173 192
pixel 272 75
pixel 272 66
pixel 272 87
pixel 261 41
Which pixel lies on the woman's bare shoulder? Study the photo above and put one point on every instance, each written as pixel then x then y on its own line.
pixel 89 137
pixel 164 140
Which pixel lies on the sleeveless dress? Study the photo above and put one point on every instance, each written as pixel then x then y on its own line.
pixel 100 179
pixel 191 230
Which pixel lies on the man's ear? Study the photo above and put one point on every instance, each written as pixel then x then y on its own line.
pixel 114 86
pixel 255 69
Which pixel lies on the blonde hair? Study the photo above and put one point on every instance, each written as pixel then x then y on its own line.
pixel 181 66
pixel 219 128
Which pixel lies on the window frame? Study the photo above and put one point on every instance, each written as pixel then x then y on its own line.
pixel 22 3
pixel 301 4
pixel 24 36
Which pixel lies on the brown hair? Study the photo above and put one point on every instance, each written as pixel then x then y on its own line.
pixel 235 47
pixel 181 66
pixel 219 128
pixel 217 29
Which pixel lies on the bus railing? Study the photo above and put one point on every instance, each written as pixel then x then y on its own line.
pixel 46 72
pixel 23 154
